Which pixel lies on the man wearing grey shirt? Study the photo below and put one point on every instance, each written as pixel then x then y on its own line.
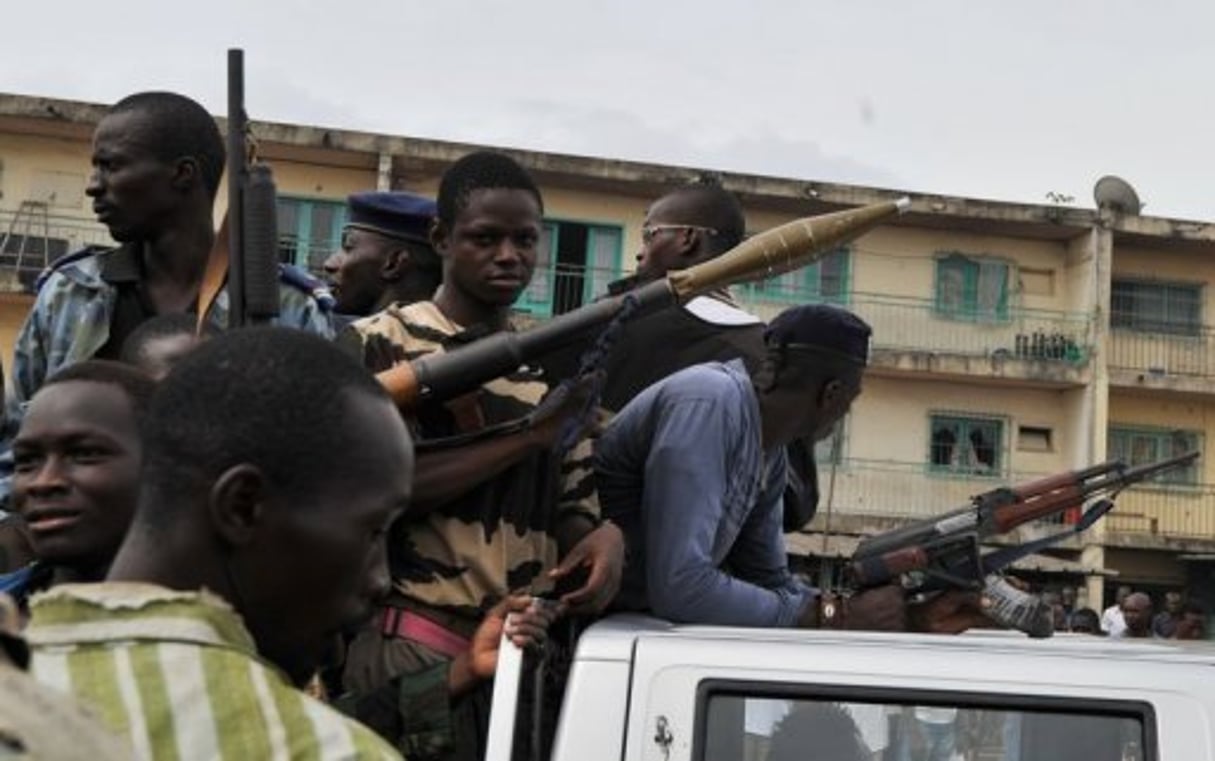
pixel 693 470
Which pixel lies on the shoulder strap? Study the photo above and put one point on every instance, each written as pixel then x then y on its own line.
pixel 216 274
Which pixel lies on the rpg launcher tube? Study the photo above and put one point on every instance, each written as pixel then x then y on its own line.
pixel 793 245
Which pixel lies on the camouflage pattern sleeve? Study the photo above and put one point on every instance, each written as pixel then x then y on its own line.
pixel 578 496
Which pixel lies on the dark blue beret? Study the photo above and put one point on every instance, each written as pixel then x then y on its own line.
pixel 823 327
pixel 397 215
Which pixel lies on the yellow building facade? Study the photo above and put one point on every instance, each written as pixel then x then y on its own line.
pixel 1010 341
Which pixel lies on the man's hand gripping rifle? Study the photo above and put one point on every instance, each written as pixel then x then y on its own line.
pixel 945 552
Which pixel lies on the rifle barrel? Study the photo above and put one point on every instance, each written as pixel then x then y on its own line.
pixel 236 183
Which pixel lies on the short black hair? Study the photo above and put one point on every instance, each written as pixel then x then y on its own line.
pixel 483 170
pixel 825 729
pixel 162 326
pixel 1193 609
pixel 138 386
pixel 178 127
pixel 1085 618
pixel 707 204
pixel 275 398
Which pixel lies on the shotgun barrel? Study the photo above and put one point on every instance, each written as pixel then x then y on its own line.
pixel 774 252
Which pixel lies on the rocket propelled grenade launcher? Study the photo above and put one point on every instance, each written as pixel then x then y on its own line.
pixel 771 253
pixel 945 552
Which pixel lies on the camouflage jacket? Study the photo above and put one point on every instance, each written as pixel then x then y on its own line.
pixel 71 318
pixel 500 536
pixel 70 322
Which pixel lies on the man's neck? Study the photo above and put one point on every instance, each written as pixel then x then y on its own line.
pixel 776 426
pixel 177 257
pixel 158 559
pixel 467 312
pixel 404 295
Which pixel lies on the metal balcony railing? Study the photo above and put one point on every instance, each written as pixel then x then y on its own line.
pixel 919 325
pixel 35 241
pixel 889 489
pixel 1186 351
pixel 1174 511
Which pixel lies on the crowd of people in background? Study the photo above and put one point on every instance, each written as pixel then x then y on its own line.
pixel 1132 615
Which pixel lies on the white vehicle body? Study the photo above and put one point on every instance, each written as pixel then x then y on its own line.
pixel 639 687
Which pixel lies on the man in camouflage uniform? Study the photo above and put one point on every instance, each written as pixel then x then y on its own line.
pixel 157 162
pixel 497 512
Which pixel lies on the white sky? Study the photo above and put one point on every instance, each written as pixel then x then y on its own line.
pixel 1003 100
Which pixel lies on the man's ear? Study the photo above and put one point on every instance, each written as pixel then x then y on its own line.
pixel 439 237
pixel 769 370
pixel 831 393
pixel 186 173
pixel 396 263
pixel 238 503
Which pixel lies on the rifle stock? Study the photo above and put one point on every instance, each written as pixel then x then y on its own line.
pixel 773 252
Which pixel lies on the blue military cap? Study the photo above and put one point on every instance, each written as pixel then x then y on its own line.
pixel 822 327
pixel 395 214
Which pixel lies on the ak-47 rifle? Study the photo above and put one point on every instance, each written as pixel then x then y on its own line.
pixel 945 552
pixel 788 247
pixel 251 223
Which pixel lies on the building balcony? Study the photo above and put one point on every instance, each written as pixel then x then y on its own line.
pixel 32 238
pixel 1181 360
pixel 871 495
pixel 916 337
pixel 1163 516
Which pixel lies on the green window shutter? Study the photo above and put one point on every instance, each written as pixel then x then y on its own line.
pixel 971 289
pixel 1150 307
pixel 1143 446
pixel 538 297
pixel 825 280
pixel 603 252
pixel 309 230
pixel 966 445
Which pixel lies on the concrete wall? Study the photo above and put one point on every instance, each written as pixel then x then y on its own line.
pixel 901 261
pixel 890 421
pixel 29 164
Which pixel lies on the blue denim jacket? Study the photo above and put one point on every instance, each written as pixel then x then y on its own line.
pixel 682 471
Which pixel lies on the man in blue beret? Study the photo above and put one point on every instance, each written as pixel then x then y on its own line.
pixel 386 256
pixel 693 470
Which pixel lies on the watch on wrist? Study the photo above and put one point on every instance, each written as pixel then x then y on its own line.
pixel 830 611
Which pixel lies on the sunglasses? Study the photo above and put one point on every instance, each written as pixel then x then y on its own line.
pixel 649 231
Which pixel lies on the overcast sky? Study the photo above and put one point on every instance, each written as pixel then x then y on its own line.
pixel 1007 100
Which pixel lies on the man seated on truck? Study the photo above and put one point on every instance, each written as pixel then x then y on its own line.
pixel 693 470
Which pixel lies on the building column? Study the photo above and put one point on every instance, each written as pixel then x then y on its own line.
pixel 383 176
pixel 1095 251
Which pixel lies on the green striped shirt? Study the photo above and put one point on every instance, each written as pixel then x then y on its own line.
pixel 177 673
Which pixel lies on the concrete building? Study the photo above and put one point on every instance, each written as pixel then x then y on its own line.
pixel 1011 341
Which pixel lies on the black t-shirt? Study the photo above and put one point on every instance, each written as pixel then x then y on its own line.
pixel 123 269
pixel 661 344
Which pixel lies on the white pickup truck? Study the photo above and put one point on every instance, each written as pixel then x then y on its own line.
pixel 645 689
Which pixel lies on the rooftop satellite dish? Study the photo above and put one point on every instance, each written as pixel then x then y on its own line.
pixel 1117 194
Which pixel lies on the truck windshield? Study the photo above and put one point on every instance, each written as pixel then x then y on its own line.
pixel 798 729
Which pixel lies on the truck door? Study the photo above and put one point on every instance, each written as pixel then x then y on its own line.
pixel 762 701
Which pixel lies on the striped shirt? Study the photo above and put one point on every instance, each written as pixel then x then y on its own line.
pixel 178 675
pixel 499 536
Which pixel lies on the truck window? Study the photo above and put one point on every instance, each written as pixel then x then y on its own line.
pixel 780 725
